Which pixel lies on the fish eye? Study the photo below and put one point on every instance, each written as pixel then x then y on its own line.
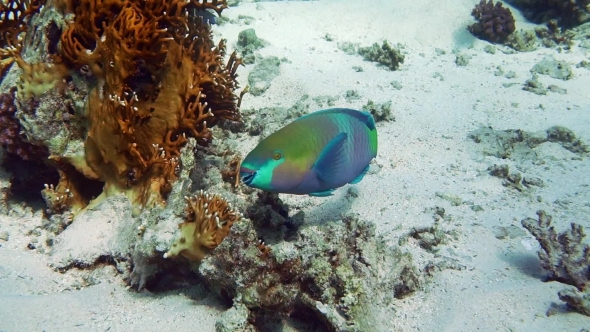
pixel 277 155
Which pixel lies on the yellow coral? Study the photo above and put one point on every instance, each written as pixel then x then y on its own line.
pixel 38 78
pixel 211 219
pixel 160 80
pixel 13 16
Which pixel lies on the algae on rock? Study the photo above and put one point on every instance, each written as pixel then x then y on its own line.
pixel 341 271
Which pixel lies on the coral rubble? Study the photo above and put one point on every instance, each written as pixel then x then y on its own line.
pixel 519 144
pixel 387 55
pixel 494 22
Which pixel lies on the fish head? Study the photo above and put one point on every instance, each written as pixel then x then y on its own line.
pixel 270 167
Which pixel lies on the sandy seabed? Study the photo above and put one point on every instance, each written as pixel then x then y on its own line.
pixel 426 160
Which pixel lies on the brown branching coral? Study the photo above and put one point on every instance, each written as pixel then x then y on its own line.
pixel 13 21
pixel 231 172
pixel 67 196
pixel 160 79
pixel 210 218
pixel 494 22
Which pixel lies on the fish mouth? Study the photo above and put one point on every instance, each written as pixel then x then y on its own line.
pixel 247 175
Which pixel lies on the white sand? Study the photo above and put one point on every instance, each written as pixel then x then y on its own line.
pixel 425 151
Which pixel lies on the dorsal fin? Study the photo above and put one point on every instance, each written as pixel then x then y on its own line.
pixel 363 116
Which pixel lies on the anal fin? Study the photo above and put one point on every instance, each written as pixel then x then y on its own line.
pixel 324 193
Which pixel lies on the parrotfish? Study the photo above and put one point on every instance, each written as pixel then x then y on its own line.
pixel 314 155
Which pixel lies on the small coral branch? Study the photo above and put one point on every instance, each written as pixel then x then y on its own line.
pixel 565 257
pixel 216 5
pixel 210 218
pixel 13 19
pixel 14 15
pixel 580 301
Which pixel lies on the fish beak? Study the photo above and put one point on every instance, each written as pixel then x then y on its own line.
pixel 247 175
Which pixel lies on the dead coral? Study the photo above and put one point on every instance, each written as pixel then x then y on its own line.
pixel 11 138
pixel 563 255
pixel 515 179
pixel 160 79
pixel 580 301
pixel 210 219
pixel 519 144
pixel 340 273
pixel 387 55
pixel 494 22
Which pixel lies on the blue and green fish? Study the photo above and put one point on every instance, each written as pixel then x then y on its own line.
pixel 313 155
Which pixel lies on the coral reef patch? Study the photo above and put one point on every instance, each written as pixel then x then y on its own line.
pixel 340 273
pixel 122 93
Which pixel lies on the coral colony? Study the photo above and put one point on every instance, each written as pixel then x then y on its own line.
pixel 494 22
pixel 211 219
pixel 102 96
pixel 155 78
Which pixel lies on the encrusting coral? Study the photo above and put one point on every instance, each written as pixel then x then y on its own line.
pixel 494 22
pixel 39 78
pixel 11 138
pixel 210 218
pixel 565 257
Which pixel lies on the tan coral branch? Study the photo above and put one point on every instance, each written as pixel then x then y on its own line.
pixel 210 219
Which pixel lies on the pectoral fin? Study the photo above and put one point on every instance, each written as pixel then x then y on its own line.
pixel 332 160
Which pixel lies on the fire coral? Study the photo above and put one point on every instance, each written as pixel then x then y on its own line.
pixel 159 80
pixel 210 219
pixel 13 21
